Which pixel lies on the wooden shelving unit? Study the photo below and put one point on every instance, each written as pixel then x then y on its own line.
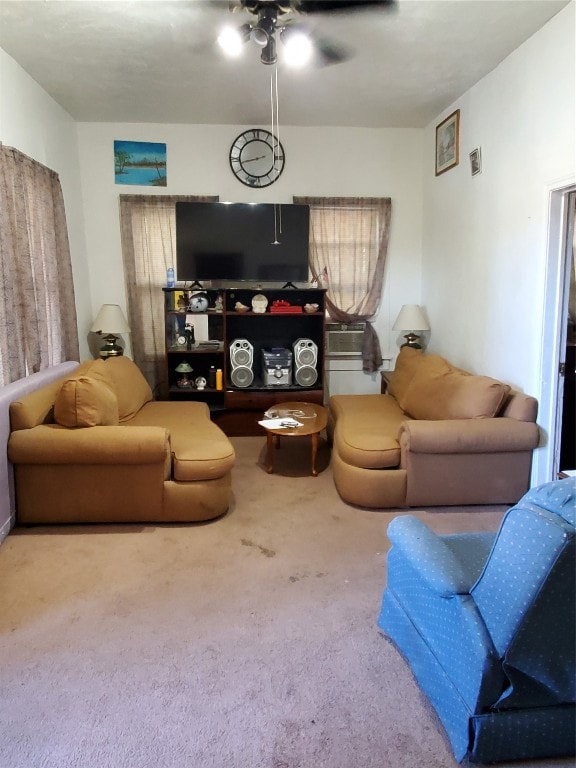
pixel 237 408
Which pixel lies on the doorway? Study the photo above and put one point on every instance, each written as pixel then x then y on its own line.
pixel 566 442
pixel 546 465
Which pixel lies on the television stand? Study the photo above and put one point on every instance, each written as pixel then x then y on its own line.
pixel 195 284
pixel 290 285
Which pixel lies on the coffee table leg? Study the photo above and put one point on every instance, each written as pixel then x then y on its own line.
pixel 314 452
pixel 270 452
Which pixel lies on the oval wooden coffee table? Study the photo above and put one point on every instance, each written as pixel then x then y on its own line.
pixel 313 418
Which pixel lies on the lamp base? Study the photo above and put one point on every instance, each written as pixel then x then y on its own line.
pixel 110 348
pixel 412 340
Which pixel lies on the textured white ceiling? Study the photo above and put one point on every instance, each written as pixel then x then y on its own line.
pixel 155 60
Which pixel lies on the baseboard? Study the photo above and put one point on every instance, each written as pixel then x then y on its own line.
pixel 5 529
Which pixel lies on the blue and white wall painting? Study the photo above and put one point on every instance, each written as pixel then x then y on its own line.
pixel 140 162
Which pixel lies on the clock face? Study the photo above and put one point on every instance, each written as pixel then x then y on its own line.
pixel 257 158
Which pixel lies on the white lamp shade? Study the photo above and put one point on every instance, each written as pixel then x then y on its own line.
pixel 110 320
pixel 411 318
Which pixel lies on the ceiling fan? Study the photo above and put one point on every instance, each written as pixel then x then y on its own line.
pixel 278 19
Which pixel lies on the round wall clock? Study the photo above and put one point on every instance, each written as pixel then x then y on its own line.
pixel 257 158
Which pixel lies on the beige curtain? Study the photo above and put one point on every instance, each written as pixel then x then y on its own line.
pixel 148 228
pixel 348 247
pixel 37 308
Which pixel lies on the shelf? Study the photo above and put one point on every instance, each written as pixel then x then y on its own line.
pixel 180 312
pixel 283 313
pixel 196 350
pixel 259 387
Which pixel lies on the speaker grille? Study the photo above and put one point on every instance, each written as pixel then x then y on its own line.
pixel 241 352
pixel 305 352
pixel 242 376
pixel 306 376
pixel 306 356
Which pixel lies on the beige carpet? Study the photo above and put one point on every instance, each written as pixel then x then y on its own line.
pixel 247 642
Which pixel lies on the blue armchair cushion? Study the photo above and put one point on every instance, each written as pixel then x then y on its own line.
pixel 448 564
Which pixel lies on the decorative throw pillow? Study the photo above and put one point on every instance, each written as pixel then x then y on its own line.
pixel 406 366
pixel 439 391
pixel 86 400
pixel 128 383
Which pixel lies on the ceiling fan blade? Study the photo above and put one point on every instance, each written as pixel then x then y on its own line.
pixel 333 6
pixel 329 52
pixel 254 6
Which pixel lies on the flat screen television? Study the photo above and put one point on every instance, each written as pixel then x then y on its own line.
pixel 263 242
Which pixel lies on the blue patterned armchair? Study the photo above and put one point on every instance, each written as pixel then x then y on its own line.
pixel 487 624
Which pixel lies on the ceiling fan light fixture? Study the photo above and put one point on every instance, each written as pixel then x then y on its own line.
pixel 263 32
pixel 231 40
pixel 298 47
pixel 268 55
pixel 260 37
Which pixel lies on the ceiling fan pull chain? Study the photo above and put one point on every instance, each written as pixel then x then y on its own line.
pixel 275 138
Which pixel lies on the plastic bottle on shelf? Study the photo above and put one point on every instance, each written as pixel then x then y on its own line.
pixel 170 278
pixel 219 381
pixel 212 377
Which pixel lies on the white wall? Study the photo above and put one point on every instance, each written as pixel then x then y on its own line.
pixel 319 161
pixel 485 237
pixel 32 122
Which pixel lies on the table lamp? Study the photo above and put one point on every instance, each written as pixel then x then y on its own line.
pixel 110 322
pixel 184 369
pixel 411 318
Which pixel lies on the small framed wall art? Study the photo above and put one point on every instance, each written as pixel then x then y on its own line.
pixel 140 162
pixel 447 143
pixel 475 161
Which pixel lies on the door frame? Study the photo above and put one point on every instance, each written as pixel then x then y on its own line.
pixel 553 344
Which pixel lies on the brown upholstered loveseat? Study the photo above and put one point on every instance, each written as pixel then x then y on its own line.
pixel 94 447
pixel 437 436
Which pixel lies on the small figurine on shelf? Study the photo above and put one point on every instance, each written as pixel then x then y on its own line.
pixel 189 333
pixel 182 303
pixel 219 303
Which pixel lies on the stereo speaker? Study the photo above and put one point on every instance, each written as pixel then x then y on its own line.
pixel 241 362
pixel 305 362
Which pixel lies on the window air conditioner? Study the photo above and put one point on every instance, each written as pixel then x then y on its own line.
pixel 344 339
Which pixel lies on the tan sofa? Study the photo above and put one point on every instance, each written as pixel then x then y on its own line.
pixel 436 436
pixel 94 447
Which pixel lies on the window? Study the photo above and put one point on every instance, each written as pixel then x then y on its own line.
pixel 37 307
pixel 348 247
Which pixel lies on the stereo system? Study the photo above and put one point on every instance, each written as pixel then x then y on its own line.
pixel 305 362
pixel 241 362
pixel 277 367
pixel 280 367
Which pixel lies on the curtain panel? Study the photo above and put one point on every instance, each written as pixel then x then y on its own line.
pixel 37 305
pixel 348 247
pixel 148 231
